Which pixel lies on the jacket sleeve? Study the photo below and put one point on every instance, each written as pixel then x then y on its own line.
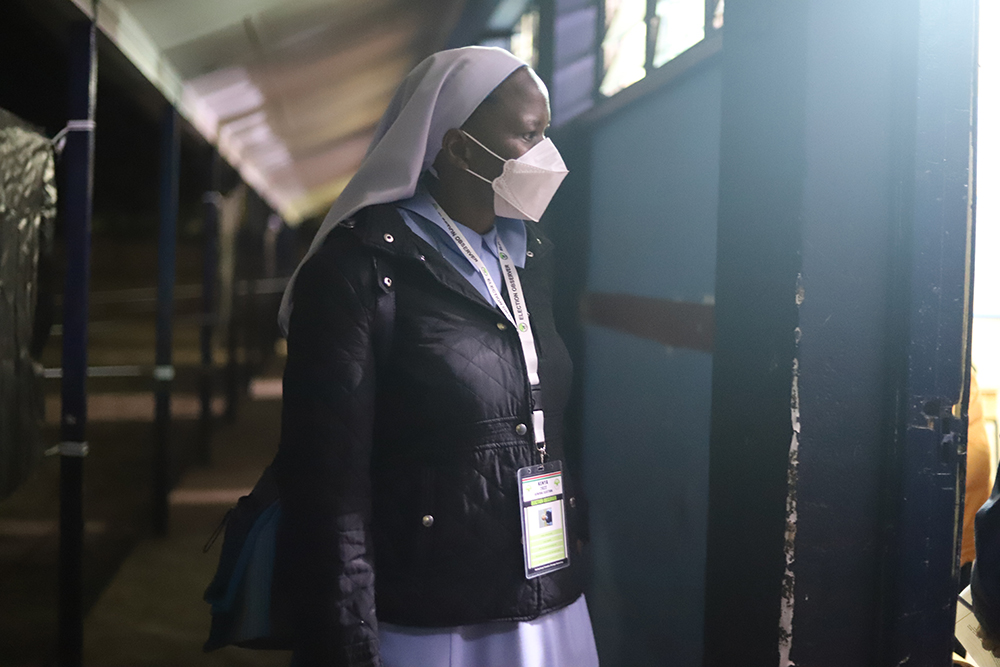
pixel 322 468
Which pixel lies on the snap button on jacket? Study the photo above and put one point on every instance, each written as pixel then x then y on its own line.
pixel 398 471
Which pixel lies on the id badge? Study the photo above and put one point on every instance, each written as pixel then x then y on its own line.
pixel 543 526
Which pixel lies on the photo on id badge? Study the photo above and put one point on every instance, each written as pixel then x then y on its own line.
pixel 542 519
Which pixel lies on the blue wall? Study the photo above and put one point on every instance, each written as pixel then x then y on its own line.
pixel 654 199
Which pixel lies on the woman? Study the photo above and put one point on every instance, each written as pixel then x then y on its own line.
pixel 422 407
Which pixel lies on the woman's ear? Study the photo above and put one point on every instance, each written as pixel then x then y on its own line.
pixel 454 150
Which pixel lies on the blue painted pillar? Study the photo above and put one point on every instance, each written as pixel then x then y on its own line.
pixel 934 139
pixel 163 374
pixel 78 160
pixel 842 303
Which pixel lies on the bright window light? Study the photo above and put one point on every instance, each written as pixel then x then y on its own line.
pixel 987 294
pixel 681 26
pixel 718 16
pixel 624 44
pixel 986 297
pixel 524 39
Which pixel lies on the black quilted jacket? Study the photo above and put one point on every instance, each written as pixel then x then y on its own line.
pixel 397 470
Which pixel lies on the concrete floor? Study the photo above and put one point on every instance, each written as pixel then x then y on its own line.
pixel 152 613
pixel 142 595
pixel 116 503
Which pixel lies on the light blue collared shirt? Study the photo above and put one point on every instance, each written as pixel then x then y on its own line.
pixel 420 216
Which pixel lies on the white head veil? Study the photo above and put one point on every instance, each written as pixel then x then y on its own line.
pixel 438 95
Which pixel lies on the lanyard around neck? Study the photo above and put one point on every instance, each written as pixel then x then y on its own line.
pixel 517 314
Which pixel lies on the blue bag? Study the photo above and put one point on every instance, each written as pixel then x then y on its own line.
pixel 240 593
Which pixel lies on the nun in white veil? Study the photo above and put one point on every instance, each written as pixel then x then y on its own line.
pixel 440 95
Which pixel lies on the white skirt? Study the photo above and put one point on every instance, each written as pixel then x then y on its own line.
pixel 563 638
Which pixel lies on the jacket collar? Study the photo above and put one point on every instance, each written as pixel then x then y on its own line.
pixel 381 228
pixel 511 231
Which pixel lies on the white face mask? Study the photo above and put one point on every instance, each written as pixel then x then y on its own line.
pixel 527 184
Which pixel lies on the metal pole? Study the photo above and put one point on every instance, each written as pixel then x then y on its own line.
pixel 254 356
pixel 232 341
pixel 652 33
pixel 546 41
pixel 163 374
pixel 78 158
pixel 235 329
pixel 210 264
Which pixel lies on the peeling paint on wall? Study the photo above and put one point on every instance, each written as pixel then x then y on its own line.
pixel 791 522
